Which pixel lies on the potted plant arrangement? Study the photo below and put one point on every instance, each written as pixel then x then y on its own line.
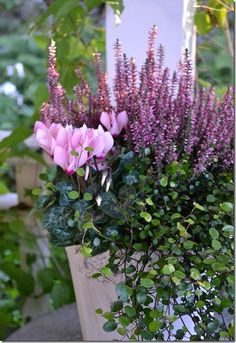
pixel 145 186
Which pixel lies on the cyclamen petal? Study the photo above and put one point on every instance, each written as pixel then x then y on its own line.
pixel 98 145
pixel 62 137
pixel 61 157
pixel 114 123
pixel 109 142
pixel 122 119
pixel 105 120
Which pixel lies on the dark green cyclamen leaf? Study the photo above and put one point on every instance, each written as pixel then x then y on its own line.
pixel 42 201
pixel 81 206
pixel 64 200
pixel 64 186
pixel 56 217
pixel 131 178
pixel 125 159
pixel 109 205
pixel 56 222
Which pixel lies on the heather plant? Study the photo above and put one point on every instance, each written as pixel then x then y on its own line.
pixel 164 113
pixel 147 179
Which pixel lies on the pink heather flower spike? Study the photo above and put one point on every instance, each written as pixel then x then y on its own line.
pixel 114 123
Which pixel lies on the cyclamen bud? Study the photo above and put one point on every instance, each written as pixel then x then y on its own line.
pixel 104 176
pixel 98 199
pixel 86 172
pixel 108 183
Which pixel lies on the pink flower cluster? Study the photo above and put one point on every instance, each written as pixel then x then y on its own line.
pixel 72 148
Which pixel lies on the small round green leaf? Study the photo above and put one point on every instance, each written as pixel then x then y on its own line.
pixel 110 326
pixel 80 172
pixel 130 311
pixel 213 233
pixel 168 269
pixel 211 198
pixel 227 207
pixel 146 216
pixel 87 196
pixel 216 245
pixel 164 181
pixel 154 326
pixel 228 228
pixel 73 195
pixel 195 274
pixel 147 283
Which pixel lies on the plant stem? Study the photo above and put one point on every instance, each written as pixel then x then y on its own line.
pixel 226 31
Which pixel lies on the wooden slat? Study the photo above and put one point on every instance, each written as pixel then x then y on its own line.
pixel 92 293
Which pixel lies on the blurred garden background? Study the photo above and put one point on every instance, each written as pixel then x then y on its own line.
pixel 26 29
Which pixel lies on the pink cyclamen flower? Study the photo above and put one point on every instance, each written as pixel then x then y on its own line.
pixel 46 136
pixel 114 123
pixel 68 146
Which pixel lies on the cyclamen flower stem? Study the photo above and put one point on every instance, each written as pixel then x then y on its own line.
pixel 82 183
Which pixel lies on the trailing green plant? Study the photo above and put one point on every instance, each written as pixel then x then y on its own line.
pixel 170 238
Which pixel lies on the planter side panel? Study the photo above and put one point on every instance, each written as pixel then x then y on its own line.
pixel 92 294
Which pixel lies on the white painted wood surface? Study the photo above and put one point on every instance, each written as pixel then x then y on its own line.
pixel 172 17
pixel 92 294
